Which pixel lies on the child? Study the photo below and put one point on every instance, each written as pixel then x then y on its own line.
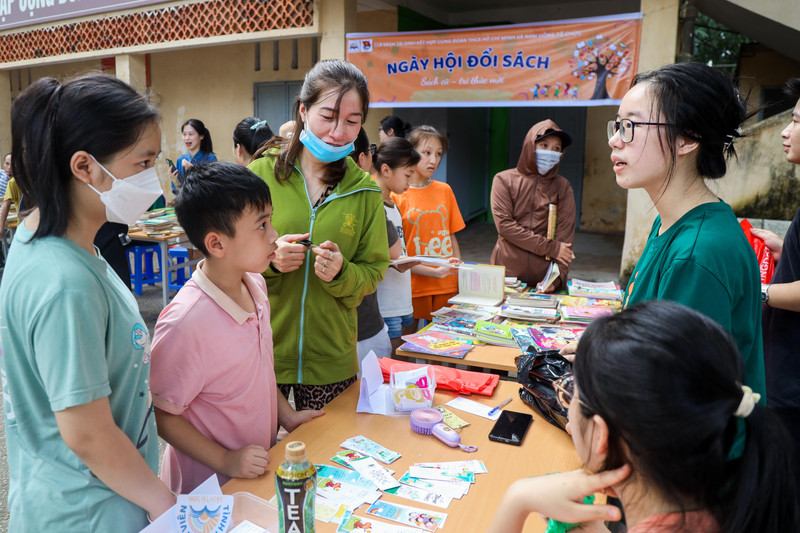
pixel 212 376
pixel 430 220
pixel 396 161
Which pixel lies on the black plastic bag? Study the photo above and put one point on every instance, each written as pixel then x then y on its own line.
pixel 536 373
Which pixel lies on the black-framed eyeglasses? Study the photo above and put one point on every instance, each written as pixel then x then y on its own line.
pixel 626 127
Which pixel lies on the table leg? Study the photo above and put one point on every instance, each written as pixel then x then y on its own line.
pixel 164 272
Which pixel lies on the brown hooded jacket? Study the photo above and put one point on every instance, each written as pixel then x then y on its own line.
pixel 520 206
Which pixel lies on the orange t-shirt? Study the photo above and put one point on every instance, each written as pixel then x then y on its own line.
pixel 430 216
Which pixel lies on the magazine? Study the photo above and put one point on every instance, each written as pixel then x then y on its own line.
pixel 547 338
pixel 437 342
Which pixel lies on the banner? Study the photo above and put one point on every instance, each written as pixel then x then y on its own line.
pixel 576 62
pixel 14 13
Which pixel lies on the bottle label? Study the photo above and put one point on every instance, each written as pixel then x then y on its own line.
pixel 295 492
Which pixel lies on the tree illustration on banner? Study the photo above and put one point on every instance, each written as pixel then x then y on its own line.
pixel 598 59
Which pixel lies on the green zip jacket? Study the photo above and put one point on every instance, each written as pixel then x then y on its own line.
pixel 314 323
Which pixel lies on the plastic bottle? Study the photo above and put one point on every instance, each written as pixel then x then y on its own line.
pixel 295 486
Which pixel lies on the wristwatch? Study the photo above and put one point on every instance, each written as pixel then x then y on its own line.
pixel 765 294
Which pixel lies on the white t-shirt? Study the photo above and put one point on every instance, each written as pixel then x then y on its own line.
pixel 394 292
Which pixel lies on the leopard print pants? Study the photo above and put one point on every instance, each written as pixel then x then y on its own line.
pixel 314 396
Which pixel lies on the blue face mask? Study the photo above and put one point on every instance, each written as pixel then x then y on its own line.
pixel 323 151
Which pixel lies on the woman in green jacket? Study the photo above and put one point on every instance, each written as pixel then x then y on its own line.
pixel 321 196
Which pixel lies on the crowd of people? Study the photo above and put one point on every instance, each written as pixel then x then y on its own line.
pixel 677 405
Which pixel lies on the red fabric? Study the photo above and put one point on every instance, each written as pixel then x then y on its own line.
pixel 766 262
pixel 452 379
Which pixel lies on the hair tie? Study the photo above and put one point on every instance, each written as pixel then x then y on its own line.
pixel 748 402
pixel 258 125
pixel 731 136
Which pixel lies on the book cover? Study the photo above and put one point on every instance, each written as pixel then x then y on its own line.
pixel 463 325
pixel 437 342
pixel 492 333
pixel 533 299
pixel 582 301
pixel 411 347
pixel 586 313
pixel 547 337
pixel 533 314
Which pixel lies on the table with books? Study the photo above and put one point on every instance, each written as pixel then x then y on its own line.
pixel 161 227
pixel 490 338
pixel 544 449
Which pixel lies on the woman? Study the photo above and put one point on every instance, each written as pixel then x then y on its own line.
pixel 249 136
pixel 654 408
pixel 392 126
pixel 76 353
pixel 321 195
pixel 197 139
pixel 521 200
pixel 675 128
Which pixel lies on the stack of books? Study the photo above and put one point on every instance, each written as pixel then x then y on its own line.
pixel 533 299
pixel 582 315
pixel 435 343
pixel 492 333
pixel 594 289
pixel 529 314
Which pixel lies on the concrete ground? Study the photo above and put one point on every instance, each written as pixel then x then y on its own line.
pixel 597 258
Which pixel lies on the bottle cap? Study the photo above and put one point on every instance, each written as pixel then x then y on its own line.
pixel 295 451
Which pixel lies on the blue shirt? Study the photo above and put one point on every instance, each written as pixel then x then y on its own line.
pixel 70 333
pixel 3 182
pixel 199 157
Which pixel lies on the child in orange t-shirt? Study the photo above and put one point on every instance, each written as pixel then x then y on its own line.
pixel 430 220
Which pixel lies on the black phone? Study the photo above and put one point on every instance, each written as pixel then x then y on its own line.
pixel 172 167
pixel 511 427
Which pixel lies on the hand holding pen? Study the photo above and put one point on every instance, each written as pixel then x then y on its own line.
pixel 291 251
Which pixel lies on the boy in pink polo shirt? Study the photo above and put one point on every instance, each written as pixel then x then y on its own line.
pixel 211 376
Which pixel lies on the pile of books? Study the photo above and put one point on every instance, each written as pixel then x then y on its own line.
pixel 533 299
pixel 493 333
pixel 580 310
pixel 594 289
pixel 530 314
pixel 435 343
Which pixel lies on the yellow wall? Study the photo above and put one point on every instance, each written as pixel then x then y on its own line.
pixel 760 66
pixel 604 202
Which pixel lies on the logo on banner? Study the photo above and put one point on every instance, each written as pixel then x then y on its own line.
pixel 353 46
pixel 366 45
pixel 359 45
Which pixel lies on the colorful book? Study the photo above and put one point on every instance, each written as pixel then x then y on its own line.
pixel 531 314
pixel 583 314
pixel 594 289
pixel 437 342
pixel 547 338
pixel 411 347
pixel 582 301
pixel 496 334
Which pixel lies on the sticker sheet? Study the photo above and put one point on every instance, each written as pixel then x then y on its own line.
pixel 408 516
pixel 363 445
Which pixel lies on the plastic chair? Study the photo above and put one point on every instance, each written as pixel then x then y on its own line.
pixel 180 255
pixel 142 271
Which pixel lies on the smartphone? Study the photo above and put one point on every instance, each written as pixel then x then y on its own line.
pixel 511 427
pixel 171 165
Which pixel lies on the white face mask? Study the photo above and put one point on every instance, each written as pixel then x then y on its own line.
pixel 546 159
pixel 128 198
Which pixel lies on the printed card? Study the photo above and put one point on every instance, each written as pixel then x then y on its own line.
pixel 379 475
pixel 472 407
pixel 408 516
pixel 342 474
pixel 454 489
pixel 472 465
pixel 452 419
pixel 363 445
pixel 353 523
pixel 421 496
pixel 439 474
pixel 343 492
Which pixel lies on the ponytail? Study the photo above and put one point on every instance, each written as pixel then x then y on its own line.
pixel 50 122
pixel 762 493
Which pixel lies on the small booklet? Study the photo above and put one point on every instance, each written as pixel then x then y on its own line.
pixel 425 260
pixel 437 342
pixel 533 299
pixel 549 277
pixel 480 285
pixel 496 334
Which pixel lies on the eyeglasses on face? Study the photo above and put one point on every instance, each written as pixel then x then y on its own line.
pixel 565 390
pixel 626 127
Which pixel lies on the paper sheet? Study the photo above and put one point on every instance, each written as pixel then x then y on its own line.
pixel 472 407
pixel 375 395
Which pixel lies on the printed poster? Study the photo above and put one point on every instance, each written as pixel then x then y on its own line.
pixel 576 62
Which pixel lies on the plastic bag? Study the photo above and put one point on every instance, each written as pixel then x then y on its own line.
pixel 452 379
pixel 766 262
pixel 536 374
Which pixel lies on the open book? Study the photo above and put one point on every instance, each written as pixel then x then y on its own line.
pixel 480 284
pixel 424 260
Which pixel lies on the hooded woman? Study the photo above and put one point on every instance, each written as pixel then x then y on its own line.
pixel 521 199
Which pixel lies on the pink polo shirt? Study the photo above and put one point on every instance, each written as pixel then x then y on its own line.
pixel 212 364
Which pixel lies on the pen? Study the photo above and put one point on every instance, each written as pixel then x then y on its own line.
pixel 502 404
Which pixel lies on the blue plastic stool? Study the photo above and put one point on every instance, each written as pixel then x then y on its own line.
pixel 180 255
pixel 143 255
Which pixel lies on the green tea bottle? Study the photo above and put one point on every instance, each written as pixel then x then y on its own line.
pixel 295 487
